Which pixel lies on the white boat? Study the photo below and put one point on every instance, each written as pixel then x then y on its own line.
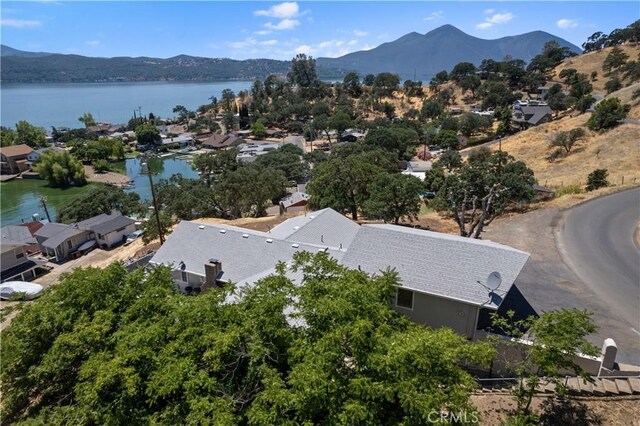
pixel 29 290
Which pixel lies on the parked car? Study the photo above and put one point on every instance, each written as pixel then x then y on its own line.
pixel 133 236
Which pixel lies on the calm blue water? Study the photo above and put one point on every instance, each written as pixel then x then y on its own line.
pixel 20 198
pixel 53 104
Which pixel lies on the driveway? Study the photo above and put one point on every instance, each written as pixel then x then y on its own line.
pixel 548 283
pixel 295 140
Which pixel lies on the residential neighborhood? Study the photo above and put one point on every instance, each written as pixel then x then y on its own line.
pixel 388 220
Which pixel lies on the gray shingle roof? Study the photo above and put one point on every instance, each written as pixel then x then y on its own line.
pixel 324 227
pixel 17 234
pixel 105 223
pixel 57 233
pixel 429 262
pixel 434 263
pixel 241 257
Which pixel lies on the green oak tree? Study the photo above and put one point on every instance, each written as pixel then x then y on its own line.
pixel 60 169
pixel 394 196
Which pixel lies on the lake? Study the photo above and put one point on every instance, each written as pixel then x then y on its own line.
pixel 20 198
pixel 60 104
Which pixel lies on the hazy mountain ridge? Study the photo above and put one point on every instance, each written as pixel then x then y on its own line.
pixel 414 54
pixel 440 49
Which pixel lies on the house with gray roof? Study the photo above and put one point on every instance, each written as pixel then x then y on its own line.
pixel 531 113
pixel 15 262
pixel 443 278
pixel 59 241
pixel 109 229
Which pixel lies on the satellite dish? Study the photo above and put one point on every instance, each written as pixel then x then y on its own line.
pixel 493 281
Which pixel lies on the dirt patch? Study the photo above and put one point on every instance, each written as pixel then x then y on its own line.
pixel 495 409
pixel 109 178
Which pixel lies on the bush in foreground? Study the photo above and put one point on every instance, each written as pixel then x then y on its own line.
pixel 111 347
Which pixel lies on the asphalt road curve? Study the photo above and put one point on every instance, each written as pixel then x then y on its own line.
pixel 598 244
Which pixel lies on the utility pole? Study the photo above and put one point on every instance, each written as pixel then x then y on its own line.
pixel 145 167
pixel 44 205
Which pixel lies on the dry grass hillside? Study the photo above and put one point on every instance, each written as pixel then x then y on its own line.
pixel 592 61
pixel 617 150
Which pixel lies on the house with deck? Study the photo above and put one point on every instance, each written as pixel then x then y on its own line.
pixel 14 159
pixel 442 277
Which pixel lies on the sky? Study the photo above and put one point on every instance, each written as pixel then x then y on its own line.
pixel 250 29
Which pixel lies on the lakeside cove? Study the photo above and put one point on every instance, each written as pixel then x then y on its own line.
pixel 21 197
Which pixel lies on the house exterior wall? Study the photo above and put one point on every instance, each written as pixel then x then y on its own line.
pixel 62 250
pixel 10 165
pixel 439 312
pixel 115 237
pixel 13 258
pixel 192 280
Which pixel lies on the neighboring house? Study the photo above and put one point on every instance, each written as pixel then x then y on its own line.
pixel 183 140
pixel 442 277
pixel 33 156
pixel 217 142
pixel 15 263
pixel 22 234
pixel 531 113
pixel 417 168
pixel 109 229
pixel 296 202
pixel 249 152
pixel 100 128
pixel 60 241
pixel 13 159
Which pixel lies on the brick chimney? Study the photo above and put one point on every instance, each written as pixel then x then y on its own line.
pixel 212 269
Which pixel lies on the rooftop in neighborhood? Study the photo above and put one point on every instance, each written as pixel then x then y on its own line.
pixel 16 150
pixel 438 264
pixel 16 234
pixel 105 223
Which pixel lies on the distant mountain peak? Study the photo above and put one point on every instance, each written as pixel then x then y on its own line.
pixel 423 55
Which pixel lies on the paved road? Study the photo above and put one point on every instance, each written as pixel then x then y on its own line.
pixel 597 243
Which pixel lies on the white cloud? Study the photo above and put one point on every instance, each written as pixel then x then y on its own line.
pixel 566 23
pixel 262 32
pixel 352 42
pixel 268 43
pixel 249 41
pixel 282 10
pixel 92 43
pixel 305 48
pixel 496 19
pixel 285 24
pixel 435 16
pixel 489 11
pixel 20 23
pixel 359 33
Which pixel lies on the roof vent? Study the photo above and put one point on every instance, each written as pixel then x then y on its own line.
pixel 269 240
pixel 295 245
pixel 223 231
pixel 312 217
pixel 322 250
pixel 201 227
pixel 245 235
pixel 212 260
pixel 296 227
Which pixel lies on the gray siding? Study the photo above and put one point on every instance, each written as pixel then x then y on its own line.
pixel 439 312
pixel 10 258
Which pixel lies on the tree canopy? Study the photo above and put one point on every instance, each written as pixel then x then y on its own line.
pixel 479 191
pixel 135 351
pixel 101 199
pixel 60 169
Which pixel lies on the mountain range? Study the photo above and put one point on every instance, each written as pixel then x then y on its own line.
pixel 414 55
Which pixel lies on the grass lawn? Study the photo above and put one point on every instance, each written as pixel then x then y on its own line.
pixel 118 167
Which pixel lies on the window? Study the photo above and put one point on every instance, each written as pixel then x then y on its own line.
pixel 404 298
pixel 19 255
pixel 69 244
pixel 183 276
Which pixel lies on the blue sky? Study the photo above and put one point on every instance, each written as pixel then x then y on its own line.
pixel 243 30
